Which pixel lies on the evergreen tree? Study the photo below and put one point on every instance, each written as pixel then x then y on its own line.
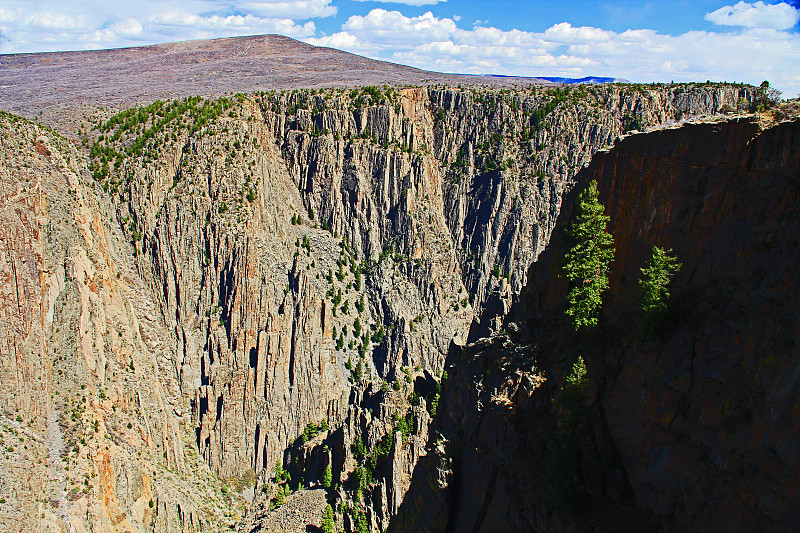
pixel 279 473
pixel 576 381
pixel 327 477
pixel 362 525
pixel 328 525
pixel 589 259
pixel 280 497
pixel 654 285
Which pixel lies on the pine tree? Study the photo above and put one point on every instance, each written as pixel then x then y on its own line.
pixel 589 259
pixel 327 477
pixel 280 497
pixel 279 473
pixel 362 525
pixel 654 285
pixel 328 525
pixel 577 380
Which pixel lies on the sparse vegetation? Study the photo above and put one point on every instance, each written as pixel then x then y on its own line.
pixel 328 524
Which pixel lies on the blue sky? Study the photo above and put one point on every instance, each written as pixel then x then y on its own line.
pixel 641 41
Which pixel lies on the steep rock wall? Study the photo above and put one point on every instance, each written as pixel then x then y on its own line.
pixel 689 429
pixel 94 437
pixel 261 233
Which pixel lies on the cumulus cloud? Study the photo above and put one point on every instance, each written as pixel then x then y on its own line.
pixel 392 28
pixel 56 21
pixel 97 24
pixel 759 47
pixel 292 9
pixel 759 15
pixel 407 2
pixel 429 42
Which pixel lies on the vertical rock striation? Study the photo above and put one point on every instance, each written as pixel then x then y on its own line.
pixel 252 230
pixel 242 268
pixel 94 437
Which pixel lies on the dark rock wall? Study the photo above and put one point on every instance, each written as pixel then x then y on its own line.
pixel 691 428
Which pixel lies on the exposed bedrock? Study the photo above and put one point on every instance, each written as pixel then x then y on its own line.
pixel 691 427
pixel 441 199
pixel 234 272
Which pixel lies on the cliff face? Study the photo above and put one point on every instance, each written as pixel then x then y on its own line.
pixel 439 198
pixel 691 428
pixel 720 404
pixel 93 437
pixel 254 265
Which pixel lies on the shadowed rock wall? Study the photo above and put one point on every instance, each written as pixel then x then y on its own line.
pixel 690 428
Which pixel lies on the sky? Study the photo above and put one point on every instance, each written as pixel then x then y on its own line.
pixel 641 41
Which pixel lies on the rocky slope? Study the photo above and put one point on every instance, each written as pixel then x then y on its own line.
pixel 93 434
pixel 234 272
pixel 690 428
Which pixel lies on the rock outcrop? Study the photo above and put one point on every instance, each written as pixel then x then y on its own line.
pixel 94 437
pixel 688 428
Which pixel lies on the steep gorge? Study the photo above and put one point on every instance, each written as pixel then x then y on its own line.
pixel 430 211
pixel 296 253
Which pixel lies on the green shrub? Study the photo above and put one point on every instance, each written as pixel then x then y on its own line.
pixel 311 430
pixel 359 450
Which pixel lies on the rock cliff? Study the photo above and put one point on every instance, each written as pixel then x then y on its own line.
pixel 688 428
pixel 222 276
pixel 308 242
pixel 94 435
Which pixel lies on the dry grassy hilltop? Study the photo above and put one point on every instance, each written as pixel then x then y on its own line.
pixel 63 85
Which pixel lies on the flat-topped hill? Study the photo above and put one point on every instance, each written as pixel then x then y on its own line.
pixel 57 84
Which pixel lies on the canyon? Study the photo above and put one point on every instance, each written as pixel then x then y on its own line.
pixel 353 295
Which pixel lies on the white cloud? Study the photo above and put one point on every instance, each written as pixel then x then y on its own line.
pixel 394 29
pixel 55 21
pixel 407 2
pixel 758 49
pixel 292 9
pixel 27 27
pixel 759 15
pixel 8 15
pixel 566 33
pixel 128 28
pixel 429 42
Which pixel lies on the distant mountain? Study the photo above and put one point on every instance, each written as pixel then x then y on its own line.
pixel 56 84
pixel 586 79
